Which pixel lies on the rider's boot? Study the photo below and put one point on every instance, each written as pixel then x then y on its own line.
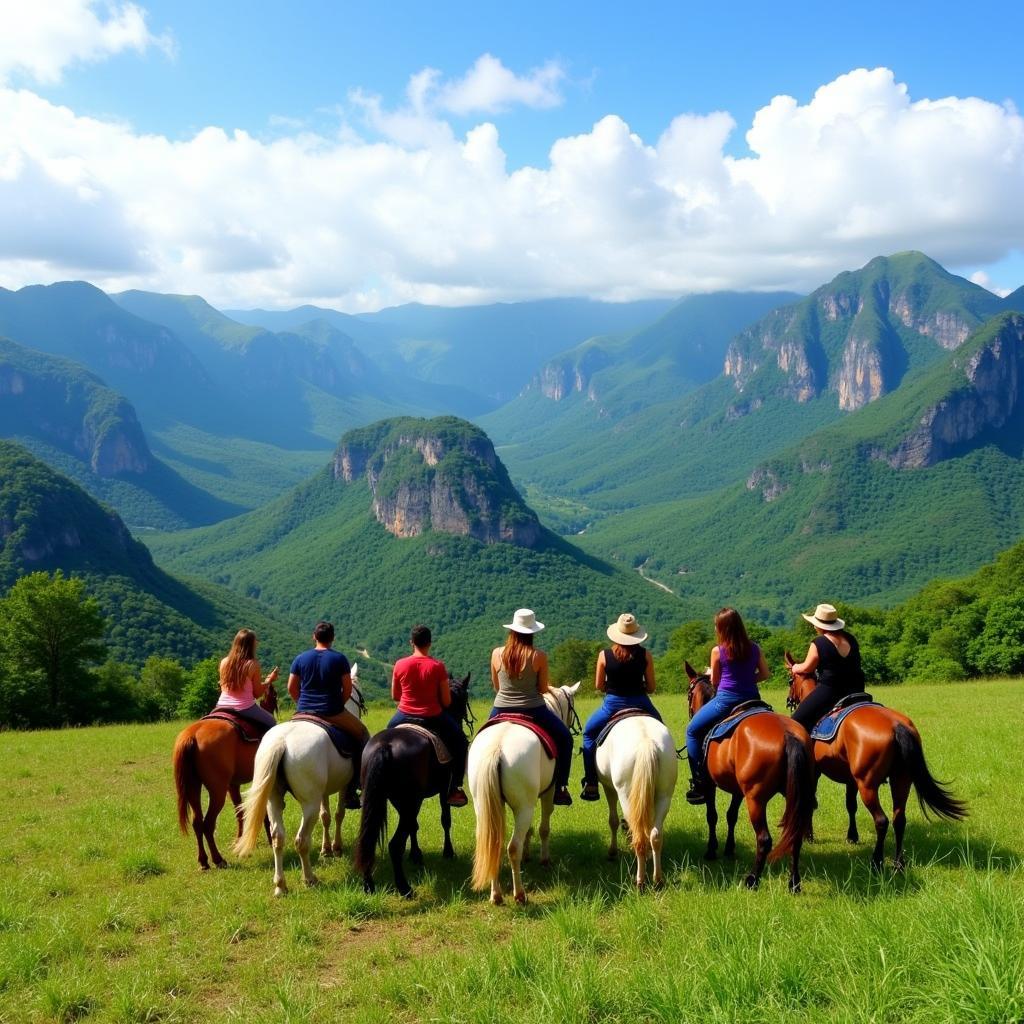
pixel 697 793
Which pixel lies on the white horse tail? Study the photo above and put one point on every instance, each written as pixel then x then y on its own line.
pixel 640 817
pixel 490 819
pixel 268 759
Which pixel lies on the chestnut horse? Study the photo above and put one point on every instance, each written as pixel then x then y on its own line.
pixel 874 744
pixel 210 753
pixel 766 754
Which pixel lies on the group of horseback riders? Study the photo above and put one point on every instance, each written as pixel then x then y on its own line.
pixel 320 682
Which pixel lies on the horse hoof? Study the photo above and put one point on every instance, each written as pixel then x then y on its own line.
pixel 312 882
pixel 448 853
pixel 729 854
pixel 876 866
pixel 853 840
pixel 899 866
pixel 794 887
pixel 659 884
pixel 281 890
pixel 613 855
pixel 326 852
pixel 368 887
pixel 750 881
pixel 416 861
pixel 497 901
pixel 546 862
pixel 336 850
pixel 407 894
pixel 220 864
pixel 521 898
pixel 711 855
pixel 204 867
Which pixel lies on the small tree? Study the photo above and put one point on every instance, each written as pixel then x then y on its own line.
pixel 573 660
pixel 201 690
pixel 50 635
pixel 163 681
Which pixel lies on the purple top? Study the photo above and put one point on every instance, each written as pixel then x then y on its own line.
pixel 739 678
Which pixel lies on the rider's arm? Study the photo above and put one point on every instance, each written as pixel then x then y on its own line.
pixel 294 686
pixel 808 665
pixel 540 663
pixel 716 667
pixel 599 679
pixel 346 687
pixel 762 668
pixel 256 675
pixel 396 687
pixel 495 656
pixel 649 683
pixel 444 691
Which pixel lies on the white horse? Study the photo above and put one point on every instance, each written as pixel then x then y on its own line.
pixel 637 767
pixel 298 758
pixel 507 765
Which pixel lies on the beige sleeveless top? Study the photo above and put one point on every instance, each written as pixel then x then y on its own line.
pixel 518 694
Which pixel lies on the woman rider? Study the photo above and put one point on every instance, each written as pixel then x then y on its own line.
pixel 242 682
pixel 737 666
pixel 834 656
pixel 625 675
pixel 519 675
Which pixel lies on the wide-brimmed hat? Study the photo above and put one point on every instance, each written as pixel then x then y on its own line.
pixel 524 621
pixel 626 630
pixel 825 617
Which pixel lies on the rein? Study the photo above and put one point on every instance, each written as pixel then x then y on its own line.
pixel 468 717
pixel 357 696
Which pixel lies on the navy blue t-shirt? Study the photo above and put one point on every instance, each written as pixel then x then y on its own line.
pixel 320 673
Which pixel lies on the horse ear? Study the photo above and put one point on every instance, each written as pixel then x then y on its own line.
pixel 465 682
pixel 788 658
pixel 689 670
pixel 572 689
pixel 354 671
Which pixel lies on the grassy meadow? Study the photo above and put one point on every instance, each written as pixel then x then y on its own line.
pixel 105 917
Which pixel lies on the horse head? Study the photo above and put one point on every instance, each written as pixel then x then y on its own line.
pixel 564 698
pixel 269 700
pixel 700 690
pixel 459 708
pixel 356 699
pixel 800 683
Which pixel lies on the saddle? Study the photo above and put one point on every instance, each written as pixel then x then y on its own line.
pixel 248 731
pixel 343 742
pixel 443 754
pixel 724 729
pixel 828 727
pixel 542 734
pixel 618 717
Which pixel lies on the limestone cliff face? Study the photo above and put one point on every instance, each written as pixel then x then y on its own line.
pixel 991 395
pixel 860 378
pixel 780 339
pixel 949 329
pixel 571 373
pixel 767 482
pixel 440 475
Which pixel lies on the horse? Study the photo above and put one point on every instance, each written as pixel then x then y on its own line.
pixel 355 705
pixel 874 744
pixel 298 758
pixel 210 754
pixel 637 767
pixel 507 765
pixel 400 765
pixel 766 754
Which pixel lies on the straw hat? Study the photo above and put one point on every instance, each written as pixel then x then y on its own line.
pixel 524 621
pixel 825 617
pixel 626 630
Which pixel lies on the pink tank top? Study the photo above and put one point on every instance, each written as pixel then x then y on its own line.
pixel 238 699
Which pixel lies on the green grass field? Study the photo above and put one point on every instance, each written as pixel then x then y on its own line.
pixel 104 916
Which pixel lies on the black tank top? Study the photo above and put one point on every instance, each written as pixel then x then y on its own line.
pixel 626 678
pixel 844 675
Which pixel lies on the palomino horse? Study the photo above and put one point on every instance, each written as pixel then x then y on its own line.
pixel 766 754
pixel 637 764
pixel 400 765
pixel 297 758
pixel 210 754
pixel 874 744
pixel 507 765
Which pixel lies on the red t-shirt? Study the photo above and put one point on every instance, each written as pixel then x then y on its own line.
pixel 420 679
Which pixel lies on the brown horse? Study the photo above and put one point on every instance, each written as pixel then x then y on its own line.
pixel 875 744
pixel 211 754
pixel 766 754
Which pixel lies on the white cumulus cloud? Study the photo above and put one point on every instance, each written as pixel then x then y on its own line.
pixel 423 213
pixel 38 40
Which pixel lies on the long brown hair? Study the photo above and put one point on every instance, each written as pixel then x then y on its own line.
pixel 518 651
pixel 624 653
pixel 236 666
pixel 732 634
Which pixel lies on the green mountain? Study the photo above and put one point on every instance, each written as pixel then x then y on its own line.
pixel 925 481
pixel 69 418
pixel 47 522
pixel 417 520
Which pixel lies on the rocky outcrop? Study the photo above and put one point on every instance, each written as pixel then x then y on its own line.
pixel 860 378
pixel 572 373
pixel 949 329
pixel 441 475
pixel 767 482
pixel 991 395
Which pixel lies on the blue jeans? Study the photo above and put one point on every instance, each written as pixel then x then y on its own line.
pixel 559 732
pixel 713 712
pixel 611 705
pixel 451 735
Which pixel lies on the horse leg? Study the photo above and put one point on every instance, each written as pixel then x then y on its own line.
pixel 661 807
pixel 757 808
pixel 527 842
pixel 310 813
pixel 613 820
pixel 447 851
pixel 275 812
pixel 547 805
pixel 415 853
pixel 236 799
pixel 900 786
pixel 213 809
pixel 523 818
pixel 731 816
pixel 711 812
pixel 852 835
pixel 195 803
pixel 339 820
pixel 869 795
pixel 325 821
pixel 405 829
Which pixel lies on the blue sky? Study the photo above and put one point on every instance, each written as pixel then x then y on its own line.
pixel 340 73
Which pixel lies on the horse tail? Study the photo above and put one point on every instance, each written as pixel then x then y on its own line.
pixel 373 823
pixel 640 817
pixel 931 795
pixel 490 820
pixel 268 762
pixel 796 819
pixel 186 778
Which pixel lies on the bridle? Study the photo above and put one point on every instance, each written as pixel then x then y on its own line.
pixel 792 698
pixel 357 696
pixel 468 717
pixel 702 682
pixel 571 719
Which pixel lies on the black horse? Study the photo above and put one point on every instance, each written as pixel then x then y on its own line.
pixel 401 766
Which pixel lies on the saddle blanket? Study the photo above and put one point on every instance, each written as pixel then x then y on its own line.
pixel 248 731
pixel 510 716
pixel 343 743
pixel 618 717
pixel 828 727
pixel 443 754
pixel 724 729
